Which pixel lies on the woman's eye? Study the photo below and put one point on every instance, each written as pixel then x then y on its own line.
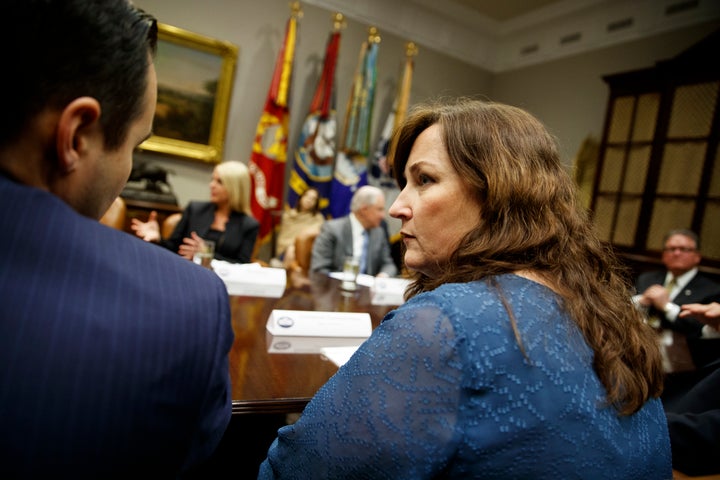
pixel 424 179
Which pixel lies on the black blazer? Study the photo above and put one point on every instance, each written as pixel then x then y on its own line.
pixel 235 244
pixel 694 426
pixel 701 289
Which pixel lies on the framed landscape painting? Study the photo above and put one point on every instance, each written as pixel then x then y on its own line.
pixel 195 80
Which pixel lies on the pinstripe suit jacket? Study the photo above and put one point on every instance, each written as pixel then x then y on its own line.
pixel 113 352
pixel 335 242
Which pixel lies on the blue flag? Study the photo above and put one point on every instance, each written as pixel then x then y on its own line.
pixel 352 159
pixel 380 174
pixel 315 154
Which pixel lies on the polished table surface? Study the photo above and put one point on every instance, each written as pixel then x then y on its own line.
pixel 264 382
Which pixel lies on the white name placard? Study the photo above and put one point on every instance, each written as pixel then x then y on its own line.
pixel 292 323
pixel 251 279
pixel 388 291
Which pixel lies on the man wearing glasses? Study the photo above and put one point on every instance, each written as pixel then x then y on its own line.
pixel 665 291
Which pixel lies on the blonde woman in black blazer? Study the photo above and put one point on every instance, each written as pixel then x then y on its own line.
pixel 225 219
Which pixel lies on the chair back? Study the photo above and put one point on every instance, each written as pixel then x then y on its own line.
pixel 115 215
pixel 169 224
pixel 303 248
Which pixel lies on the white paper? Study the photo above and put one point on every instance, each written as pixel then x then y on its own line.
pixel 291 323
pixel 251 279
pixel 363 279
pixel 339 355
pixel 388 291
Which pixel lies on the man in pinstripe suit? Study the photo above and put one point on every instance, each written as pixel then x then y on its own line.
pixel 113 353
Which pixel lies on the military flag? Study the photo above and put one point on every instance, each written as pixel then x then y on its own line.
pixel 269 152
pixel 380 174
pixel 350 171
pixel 315 154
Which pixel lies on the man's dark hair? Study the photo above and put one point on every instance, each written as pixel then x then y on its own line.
pixel 57 50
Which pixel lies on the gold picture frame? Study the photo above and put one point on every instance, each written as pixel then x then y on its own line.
pixel 195 81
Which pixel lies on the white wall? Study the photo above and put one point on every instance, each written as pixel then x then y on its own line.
pixel 258 28
pixel 568 95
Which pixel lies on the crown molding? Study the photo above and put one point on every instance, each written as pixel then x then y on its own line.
pixel 561 29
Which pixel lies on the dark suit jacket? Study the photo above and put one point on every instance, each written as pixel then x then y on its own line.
pixel 694 426
pixel 113 352
pixel 335 242
pixel 235 244
pixel 701 289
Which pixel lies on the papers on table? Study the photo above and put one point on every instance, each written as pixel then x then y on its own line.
pixel 388 291
pixel 383 290
pixel 338 355
pixel 251 279
pixel 362 278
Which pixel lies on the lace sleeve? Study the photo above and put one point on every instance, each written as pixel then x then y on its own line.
pixel 390 412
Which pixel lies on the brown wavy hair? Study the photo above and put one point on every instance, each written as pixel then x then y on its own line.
pixel 530 219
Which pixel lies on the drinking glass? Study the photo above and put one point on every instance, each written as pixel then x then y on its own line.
pixel 351 268
pixel 205 253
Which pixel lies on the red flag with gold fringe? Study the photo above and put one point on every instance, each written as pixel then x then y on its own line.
pixel 269 153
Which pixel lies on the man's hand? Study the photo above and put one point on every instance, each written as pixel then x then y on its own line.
pixel 708 314
pixel 656 296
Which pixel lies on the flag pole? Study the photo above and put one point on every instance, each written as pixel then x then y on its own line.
pixel 339 22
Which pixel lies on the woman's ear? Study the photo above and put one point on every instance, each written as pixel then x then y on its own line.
pixel 78 131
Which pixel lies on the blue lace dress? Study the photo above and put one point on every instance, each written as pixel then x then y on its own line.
pixel 442 390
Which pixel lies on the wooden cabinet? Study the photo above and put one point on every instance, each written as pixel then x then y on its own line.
pixel 659 163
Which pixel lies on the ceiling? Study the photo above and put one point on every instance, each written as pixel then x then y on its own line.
pixel 502 35
pixel 504 10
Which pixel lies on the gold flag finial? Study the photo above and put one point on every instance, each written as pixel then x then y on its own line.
pixel 338 21
pixel 411 49
pixel 373 35
pixel 295 10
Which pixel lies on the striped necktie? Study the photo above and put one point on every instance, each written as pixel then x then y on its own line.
pixel 670 284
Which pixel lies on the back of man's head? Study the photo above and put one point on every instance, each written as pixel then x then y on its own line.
pixel 364 196
pixel 58 50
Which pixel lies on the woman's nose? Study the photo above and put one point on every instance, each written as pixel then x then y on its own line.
pixel 399 208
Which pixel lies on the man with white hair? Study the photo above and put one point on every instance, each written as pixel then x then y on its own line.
pixel 359 234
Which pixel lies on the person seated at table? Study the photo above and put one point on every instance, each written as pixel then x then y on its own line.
pixel 360 234
pixel 694 418
pixel 113 353
pixel 226 219
pixel 663 292
pixel 517 353
pixel 305 217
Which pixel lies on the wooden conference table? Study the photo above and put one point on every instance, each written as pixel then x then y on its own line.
pixel 265 382
pixel 281 383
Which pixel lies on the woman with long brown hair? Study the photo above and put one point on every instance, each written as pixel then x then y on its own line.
pixel 518 353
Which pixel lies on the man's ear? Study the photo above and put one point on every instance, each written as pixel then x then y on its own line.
pixel 79 123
